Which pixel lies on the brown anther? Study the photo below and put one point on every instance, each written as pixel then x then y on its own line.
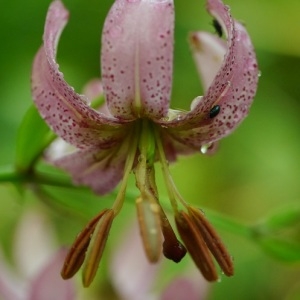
pixel 76 254
pixel 149 222
pixel 172 248
pixel 213 241
pixel 96 247
pixel 195 245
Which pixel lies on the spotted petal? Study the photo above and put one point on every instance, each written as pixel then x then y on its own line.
pixel 65 111
pixel 232 89
pixel 100 169
pixel 137 57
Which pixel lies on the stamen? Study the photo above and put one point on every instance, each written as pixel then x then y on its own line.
pixel 96 247
pixel 149 222
pixel 133 143
pixel 165 170
pixel 213 241
pixel 196 246
pixel 76 254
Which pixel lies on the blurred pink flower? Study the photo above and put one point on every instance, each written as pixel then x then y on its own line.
pixel 36 275
pixel 185 287
pixel 133 278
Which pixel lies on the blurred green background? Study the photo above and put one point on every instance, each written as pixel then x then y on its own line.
pixel 256 169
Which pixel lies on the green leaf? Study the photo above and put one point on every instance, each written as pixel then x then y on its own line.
pixel 287 251
pixel 283 218
pixel 279 233
pixel 78 201
pixel 33 137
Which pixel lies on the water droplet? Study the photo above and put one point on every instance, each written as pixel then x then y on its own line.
pixel 259 73
pixel 204 148
pixel 179 117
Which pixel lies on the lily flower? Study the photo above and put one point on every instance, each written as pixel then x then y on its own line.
pixel 136 127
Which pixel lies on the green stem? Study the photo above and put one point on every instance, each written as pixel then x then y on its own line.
pixel 10 174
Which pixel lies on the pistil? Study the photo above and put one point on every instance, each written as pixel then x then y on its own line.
pixel 132 146
pixel 148 208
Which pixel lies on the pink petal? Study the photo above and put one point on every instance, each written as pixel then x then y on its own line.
pixel 209 52
pixel 48 284
pixel 9 282
pixel 233 89
pixel 174 146
pixel 65 111
pixel 93 90
pixel 137 57
pixel 132 275
pixel 100 169
pixel 186 288
pixel 33 242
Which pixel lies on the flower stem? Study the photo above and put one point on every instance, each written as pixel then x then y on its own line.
pixel 10 174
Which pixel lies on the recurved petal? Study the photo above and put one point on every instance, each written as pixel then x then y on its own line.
pixel 100 169
pixel 231 93
pixel 65 111
pixel 137 57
